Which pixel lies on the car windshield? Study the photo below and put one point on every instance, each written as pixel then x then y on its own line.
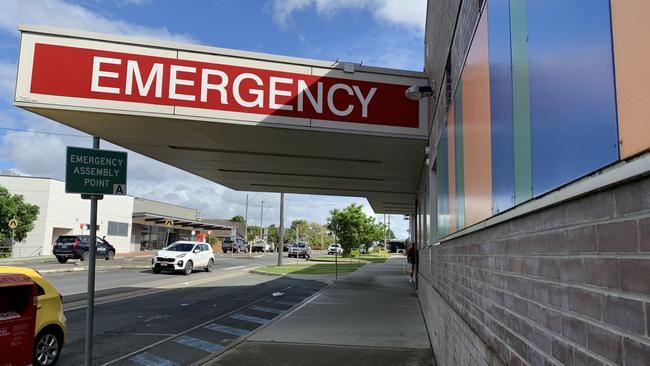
pixel 181 247
pixel 302 245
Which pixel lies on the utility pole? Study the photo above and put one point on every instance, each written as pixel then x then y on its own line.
pixel 246 222
pixel 281 244
pixel 385 233
pixel 262 218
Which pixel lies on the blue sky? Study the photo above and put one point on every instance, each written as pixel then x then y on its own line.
pixel 387 33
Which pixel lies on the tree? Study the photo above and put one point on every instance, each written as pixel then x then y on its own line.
pixel 302 227
pixel 352 227
pixel 253 231
pixel 273 234
pixel 14 206
pixel 238 218
pixel 318 236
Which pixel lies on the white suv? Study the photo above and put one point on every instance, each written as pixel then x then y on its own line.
pixel 334 249
pixel 184 256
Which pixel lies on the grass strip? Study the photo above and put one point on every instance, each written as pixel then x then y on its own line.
pixel 310 268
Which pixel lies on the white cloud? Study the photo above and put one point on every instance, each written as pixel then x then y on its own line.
pixel 63 14
pixel 407 13
pixel 7 79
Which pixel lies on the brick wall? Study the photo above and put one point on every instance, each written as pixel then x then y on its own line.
pixel 568 284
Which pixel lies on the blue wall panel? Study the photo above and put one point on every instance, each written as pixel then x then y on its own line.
pixel 503 168
pixel 572 106
pixel 442 175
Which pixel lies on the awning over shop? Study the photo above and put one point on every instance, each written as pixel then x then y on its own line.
pixel 176 223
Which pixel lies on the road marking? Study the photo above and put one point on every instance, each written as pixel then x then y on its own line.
pixel 287 303
pixel 267 310
pixel 147 291
pixel 227 329
pixel 251 319
pixel 187 330
pixel 235 267
pixel 198 343
pixel 147 359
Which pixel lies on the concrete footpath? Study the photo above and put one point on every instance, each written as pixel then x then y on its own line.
pixel 372 317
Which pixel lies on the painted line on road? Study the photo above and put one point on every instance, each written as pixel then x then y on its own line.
pixel 267 310
pixel 198 343
pixel 250 319
pixel 227 329
pixel 231 268
pixel 148 291
pixel 143 349
pixel 147 359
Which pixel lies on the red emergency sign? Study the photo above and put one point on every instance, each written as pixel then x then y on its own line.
pixel 106 75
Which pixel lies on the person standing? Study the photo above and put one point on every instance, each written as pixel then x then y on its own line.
pixel 411 257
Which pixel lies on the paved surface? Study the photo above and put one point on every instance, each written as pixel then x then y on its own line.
pixel 372 317
pixel 178 322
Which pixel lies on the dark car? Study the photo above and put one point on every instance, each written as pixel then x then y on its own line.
pixel 235 246
pixel 76 247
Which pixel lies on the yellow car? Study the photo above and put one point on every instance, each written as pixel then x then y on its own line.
pixel 51 329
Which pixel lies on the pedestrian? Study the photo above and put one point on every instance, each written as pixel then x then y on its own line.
pixel 411 257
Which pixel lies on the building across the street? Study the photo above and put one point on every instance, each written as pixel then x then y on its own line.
pixel 128 223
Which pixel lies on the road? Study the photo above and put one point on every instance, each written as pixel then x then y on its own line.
pixel 171 319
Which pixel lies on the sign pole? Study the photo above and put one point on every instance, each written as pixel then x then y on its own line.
pixel 281 238
pixel 90 307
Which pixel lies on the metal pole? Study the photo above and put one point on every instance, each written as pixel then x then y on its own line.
pixel 90 307
pixel 281 247
pixel 261 221
pixel 246 228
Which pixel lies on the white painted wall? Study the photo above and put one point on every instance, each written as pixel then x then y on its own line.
pixel 66 212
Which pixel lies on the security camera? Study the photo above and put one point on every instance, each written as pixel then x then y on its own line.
pixel 417 92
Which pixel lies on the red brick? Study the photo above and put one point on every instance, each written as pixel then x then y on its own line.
pixel 585 302
pixel 644 234
pixel 575 329
pixel 581 240
pixel 602 272
pixel 617 237
pixel 624 313
pixel 636 353
pixel 604 343
pixel 552 320
pixel 583 359
pixel 633 197
pixel 635 275
pixel 572 270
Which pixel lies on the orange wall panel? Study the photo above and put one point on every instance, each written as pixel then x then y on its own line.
pixel 476 128
pixel 451 153
pixel 631 32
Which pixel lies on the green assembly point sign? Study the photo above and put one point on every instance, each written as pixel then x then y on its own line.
pixel 93 171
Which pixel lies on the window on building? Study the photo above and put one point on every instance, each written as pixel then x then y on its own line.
pixel 447 84
pixel 117 229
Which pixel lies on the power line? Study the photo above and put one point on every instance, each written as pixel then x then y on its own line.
pixel 44 132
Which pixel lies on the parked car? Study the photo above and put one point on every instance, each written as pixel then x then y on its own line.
pixel 51 329
pixel 235 246
pixel 334 249
pixel 300 250
pixel 261 245
pixel 286 246
pixel 76 247
pixel 184 256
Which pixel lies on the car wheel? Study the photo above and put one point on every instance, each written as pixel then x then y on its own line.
pixel 84 257
pixel 62 259
pixel 156 269
pixel 189 266
pixel 110 256
pixel 210 266
pixel 47 347
pixel 225 251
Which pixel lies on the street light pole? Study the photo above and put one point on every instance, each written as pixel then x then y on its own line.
pixel 281 244
pixel 261 221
